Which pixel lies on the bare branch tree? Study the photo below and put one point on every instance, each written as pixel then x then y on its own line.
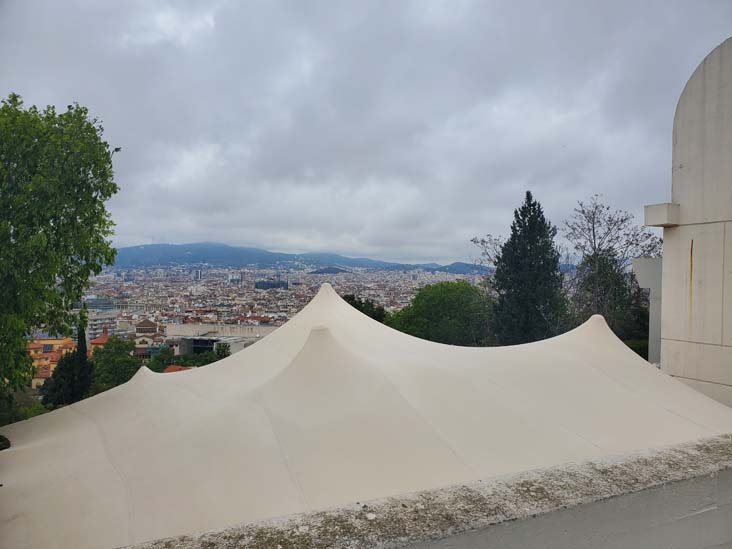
pixel 490 248
pixel 594 230
pixel 607 240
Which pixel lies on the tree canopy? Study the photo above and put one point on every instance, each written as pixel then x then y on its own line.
pixel 223 350
pixel 595 230
pixel 606 241
pixel 196 360
pixel 55 177
pixel 456 313
pixel 162 359
pixel 367 306
pixel 114 364
pixel 531 304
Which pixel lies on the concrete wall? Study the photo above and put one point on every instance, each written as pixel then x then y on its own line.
pixel 649 272
pixel 692 514
pixel 696 326
pixel 218 330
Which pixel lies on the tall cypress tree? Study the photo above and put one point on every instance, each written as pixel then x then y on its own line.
pixel 531 303
pixel 83 370
pixel 72 377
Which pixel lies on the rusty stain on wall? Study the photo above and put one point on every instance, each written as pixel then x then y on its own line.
pixel 691 288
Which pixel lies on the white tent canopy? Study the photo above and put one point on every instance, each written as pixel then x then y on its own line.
pixel 330 409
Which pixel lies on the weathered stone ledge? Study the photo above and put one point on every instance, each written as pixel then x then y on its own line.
pixel 437 514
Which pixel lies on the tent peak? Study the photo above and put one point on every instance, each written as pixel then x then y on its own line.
pixel 326 292
pixel 326 288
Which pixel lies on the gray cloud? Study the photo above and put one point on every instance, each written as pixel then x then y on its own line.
pixel 395 130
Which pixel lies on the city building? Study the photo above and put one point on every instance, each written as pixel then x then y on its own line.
pixel 95 303
pixel 148 339
pixel 99 342
pixel 45 352
pixel 201 338
pixel 101 321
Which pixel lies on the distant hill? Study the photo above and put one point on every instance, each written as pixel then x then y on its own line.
pixel 328 271
pixel 192 254
pixel 464 268
pixel 222 255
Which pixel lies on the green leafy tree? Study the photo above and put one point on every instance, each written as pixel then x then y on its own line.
pixel 366 306
pixel 197 359
pixel 71 379
pixel 223 350
pixel 55 177
pixel 162 359
pixel 114 364
pixel 603 286
pixel 23 405
pixel 531 304
pixel 33 409
pixel 456 313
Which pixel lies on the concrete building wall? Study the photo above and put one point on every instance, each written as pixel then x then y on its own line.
pixel 696 325
pixel 97 321
pixel 648 271
pixel 218 330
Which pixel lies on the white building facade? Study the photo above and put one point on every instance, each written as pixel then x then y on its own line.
pixel 696 324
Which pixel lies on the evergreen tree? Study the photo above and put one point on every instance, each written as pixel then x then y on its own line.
pixel 531 304
pixel 366 306
pixel 84 368
pixel 71 379
pixel 57 389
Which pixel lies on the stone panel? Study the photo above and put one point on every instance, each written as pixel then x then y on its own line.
pixel 697 361
pixel 727 288
pixel 692 279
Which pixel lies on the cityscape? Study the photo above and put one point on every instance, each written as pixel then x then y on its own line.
pixel 192 308
pixel 420 274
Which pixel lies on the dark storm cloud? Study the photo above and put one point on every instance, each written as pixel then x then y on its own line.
pixel 389 129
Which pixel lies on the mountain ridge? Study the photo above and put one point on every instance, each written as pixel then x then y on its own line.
pixel 224 255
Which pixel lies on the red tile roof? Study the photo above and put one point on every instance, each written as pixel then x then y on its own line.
pixel 175 368
pixel 102 339
pixel 146 323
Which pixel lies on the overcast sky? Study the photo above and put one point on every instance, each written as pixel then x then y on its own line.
pixel 393 130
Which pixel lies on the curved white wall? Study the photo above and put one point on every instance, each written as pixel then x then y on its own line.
pixel 696 325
